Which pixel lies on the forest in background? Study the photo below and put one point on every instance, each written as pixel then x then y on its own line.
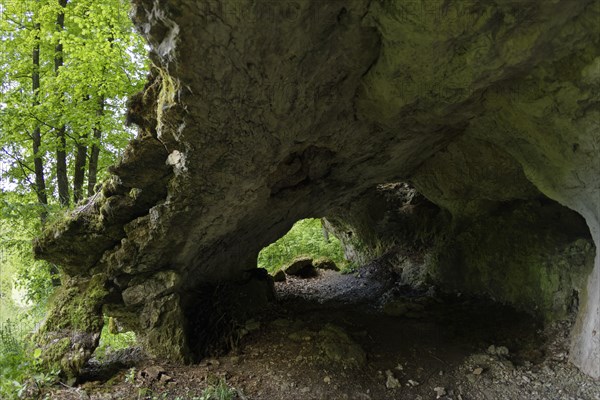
pixel 67 69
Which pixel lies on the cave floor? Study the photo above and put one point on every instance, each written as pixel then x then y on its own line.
pixel 418 345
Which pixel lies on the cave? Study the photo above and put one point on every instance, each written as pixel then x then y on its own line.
pixel 460 146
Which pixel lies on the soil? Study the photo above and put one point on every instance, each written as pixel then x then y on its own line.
pixel 360 336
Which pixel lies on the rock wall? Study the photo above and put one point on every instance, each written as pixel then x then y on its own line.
pixel 258 114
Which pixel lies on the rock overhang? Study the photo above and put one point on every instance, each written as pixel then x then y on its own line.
pixel 255 117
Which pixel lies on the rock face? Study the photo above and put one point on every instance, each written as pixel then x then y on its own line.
pixel 258 114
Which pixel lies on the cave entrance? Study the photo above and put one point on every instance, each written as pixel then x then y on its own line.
pixel 117 349
pixel 369 311
pixel 304 251
pixel 366 319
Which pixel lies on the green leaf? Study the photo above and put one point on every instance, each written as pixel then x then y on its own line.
pixel 37 353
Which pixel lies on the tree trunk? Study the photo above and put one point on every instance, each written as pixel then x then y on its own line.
pixel 93 166
pixel 61 153
pixel 38 162
pixel 80 162
pixel 79 174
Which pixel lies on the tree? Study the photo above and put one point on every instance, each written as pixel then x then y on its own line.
pixel 64 109
pixel 67 68
pixel 40 181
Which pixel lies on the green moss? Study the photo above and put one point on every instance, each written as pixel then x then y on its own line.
pixel 56 350
pixel 81 309
pixel 72 328
pixel 516 257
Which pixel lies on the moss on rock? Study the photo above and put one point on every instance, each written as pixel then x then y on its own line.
pixel 72 328
pixel 518 256
pixel 339 348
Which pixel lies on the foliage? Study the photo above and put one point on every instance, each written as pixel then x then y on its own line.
pixel 305 238
pixel 25 284
pixel 113 341
pixel 21 369
pixel 22 279
pixel 218 390
pixel 104 63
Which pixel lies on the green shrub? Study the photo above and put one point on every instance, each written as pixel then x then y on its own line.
pixel 21 367
pixel 219 390
pixel 304 239
pixel 110 342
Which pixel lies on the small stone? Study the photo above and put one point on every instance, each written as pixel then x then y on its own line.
pixel 300 336
pixel 439 391
pixel 152 373
pixel 213 361
pixel 413 383
pixel 327 380
pixel 498 351
pixel 477 371
pixel 164 378
pixel 399 367
pixel 339 347
pixel 391 382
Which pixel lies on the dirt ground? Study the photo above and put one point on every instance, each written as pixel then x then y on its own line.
pixel 360 337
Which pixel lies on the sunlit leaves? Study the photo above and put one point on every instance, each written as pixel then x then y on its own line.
pixel 103 59
pixel 304 239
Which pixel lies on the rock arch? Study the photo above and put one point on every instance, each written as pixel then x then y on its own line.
pixel 257 115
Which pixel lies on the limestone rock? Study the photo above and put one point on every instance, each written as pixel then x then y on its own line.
pixel 391 381
pixel 339 348
pixel 250 122
pixel 301 267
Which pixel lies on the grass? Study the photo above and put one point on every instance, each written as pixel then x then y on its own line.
pixel 219 390
pixel 306 238
pixel 111 342
pixel 21 366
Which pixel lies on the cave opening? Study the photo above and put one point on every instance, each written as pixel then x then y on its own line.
pixel 249 123
pixel 307 248
pixel 412 288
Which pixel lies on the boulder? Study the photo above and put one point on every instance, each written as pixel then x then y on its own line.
pixel 339 348
pixel 325 264
pixel 301 267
